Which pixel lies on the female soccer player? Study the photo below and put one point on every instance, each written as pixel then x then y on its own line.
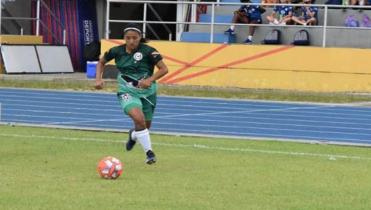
pixel 136 84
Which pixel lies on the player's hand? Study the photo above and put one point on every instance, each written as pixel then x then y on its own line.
pixel 144 83
pixel 99 84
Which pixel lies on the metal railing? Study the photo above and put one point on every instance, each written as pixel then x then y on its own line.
pixel 39 5
pixel 212 23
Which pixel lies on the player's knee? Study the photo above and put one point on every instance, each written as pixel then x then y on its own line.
pixel 140 123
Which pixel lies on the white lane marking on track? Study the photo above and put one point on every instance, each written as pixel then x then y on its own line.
pixel 174 102
pixel 173 99
pixel 242 124
pixel 193 99
pixel 172 115
pixel 199 146
pixel 160 107
pixel 120 119
pixel 159 117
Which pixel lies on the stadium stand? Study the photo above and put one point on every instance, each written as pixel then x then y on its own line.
pixel 336 37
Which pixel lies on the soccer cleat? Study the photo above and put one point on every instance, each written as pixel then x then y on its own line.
pixel 248 41
pixel 130 143
pixel 230 31
pixel 151 157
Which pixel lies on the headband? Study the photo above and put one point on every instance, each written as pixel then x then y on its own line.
pixel 134 29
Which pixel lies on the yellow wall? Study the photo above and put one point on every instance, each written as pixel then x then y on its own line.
pixel 268 67
pixel 18 39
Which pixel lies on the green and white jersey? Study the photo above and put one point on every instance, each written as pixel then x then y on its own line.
pixel 137 65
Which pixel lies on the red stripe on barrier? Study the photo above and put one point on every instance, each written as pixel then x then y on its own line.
pixel 175 60
pixel 192 63
pixel 224 66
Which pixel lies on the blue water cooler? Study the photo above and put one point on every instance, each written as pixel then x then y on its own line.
pixel 91 68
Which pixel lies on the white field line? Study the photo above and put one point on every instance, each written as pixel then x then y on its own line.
pixel 200 130
pixel 198 146
pixel 197 133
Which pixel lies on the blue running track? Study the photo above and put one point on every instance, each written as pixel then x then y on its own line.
pixel 335 124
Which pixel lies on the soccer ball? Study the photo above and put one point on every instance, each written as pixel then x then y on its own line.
pixel 109 168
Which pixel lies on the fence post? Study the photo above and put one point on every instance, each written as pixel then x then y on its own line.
pixel 324 34
pixel 107 19
pixel 64 37
pixel 194 12
pixel 212 22
pixel 144 20
pixel 38 18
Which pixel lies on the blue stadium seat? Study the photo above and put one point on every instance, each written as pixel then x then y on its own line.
pixel 206 18
pixel 205 37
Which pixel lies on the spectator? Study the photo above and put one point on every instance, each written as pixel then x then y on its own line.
pixel 250 14
pixel 269 2
pixel 281 15
pixel 308 15
pixel 359 2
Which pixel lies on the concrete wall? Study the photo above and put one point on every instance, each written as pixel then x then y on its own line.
pixel 264 67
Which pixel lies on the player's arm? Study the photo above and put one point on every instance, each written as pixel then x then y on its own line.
pixel 109 55
pixel 162 71
pixel 99 73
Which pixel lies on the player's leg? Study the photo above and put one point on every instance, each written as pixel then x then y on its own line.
pixel 149 105
pixel 136 114
pixel 141 134
pixel 148 108
pixel 128 103
pixel 132 106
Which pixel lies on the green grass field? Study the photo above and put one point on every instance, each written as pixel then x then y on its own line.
pixel 55 169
